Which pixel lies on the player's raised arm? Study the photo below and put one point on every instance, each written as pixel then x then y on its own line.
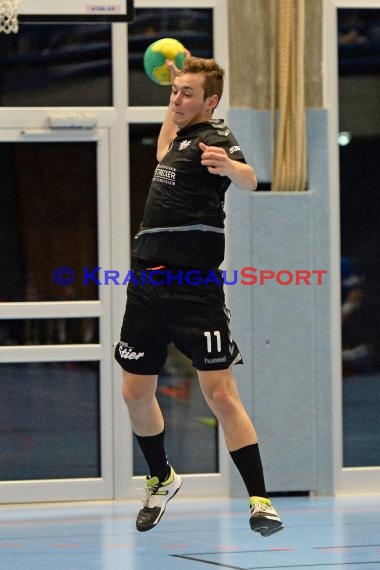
pixel 167 134
pixel 169 128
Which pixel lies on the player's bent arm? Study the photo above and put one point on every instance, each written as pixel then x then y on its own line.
pixel 242 175
pixel 218 162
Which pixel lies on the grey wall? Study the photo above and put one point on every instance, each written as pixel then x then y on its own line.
pixel 284 331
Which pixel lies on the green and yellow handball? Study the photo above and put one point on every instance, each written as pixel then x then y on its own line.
pixel 156 55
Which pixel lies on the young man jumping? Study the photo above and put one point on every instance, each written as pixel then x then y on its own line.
pixel 183 229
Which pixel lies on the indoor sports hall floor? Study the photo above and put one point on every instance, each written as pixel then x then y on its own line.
pixel 320 533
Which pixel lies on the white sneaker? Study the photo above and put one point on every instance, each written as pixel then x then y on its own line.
pixel 157 494
pixel 264 518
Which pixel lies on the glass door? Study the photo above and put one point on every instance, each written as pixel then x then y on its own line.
pixel 359 143
pixel 56 407
pixel 352 86
pixel 201 27
pixel 187 417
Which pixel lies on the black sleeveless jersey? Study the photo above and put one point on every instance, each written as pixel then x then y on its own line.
pixel 183 221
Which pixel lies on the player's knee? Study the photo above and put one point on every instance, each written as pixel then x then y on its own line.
pixel 222 401
pixel 135 394
pixel 129 394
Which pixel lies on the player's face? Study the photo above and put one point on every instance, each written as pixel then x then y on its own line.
pixel 188 105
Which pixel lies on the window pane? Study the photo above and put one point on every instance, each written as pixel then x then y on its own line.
pixel 48 331
pixel 192 27
pixel 48 219
pixel 49 420
pixel 187 420
pixel 56 66
pixel 359 126
pixel 143 142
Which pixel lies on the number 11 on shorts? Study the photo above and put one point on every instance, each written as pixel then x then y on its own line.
pixel 209 340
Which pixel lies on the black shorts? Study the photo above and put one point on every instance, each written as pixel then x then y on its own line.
pixel 172 305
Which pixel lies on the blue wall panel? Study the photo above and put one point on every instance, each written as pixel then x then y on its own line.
pixel 283 331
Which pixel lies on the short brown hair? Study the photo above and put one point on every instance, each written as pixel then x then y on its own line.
pixel 213 74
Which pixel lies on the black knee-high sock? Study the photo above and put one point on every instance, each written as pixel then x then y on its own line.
pixel 248 461
pixel 153 448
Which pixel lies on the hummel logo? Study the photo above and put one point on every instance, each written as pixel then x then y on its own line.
pixel 215 360
pixel 184 145
pixel 224 133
